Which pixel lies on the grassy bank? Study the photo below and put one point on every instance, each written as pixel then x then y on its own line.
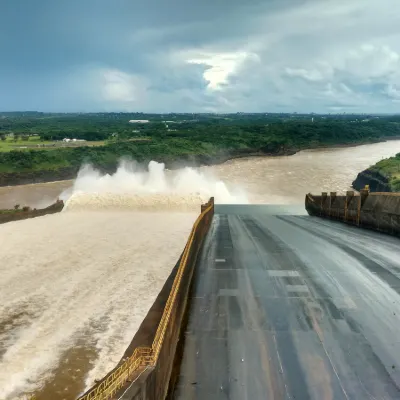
pixel 384 176
pixel 390 169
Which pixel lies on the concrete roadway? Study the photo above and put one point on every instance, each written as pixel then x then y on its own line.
pixel 292 307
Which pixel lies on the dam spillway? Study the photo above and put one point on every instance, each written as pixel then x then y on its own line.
pixel 281 305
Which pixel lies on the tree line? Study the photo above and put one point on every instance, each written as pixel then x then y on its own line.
pixel 188 136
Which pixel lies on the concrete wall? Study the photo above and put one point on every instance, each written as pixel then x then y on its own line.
pixel 161 334
pixel 377 211
pixel 154 383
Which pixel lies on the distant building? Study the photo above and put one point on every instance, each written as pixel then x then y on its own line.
pixel 67 140
pixel 139 121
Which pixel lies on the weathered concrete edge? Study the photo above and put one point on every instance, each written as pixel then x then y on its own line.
pixel 177 364
pixel 375 211
pixel 151 384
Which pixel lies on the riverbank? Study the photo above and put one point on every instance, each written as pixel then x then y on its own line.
pixel 18 213
pixel 15 178
pixel 384 176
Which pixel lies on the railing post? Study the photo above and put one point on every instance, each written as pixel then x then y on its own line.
pixel 364 193
pixel 349 197
pixel 324 196
pixel 332 199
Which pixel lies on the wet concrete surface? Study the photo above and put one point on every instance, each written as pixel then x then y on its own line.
pixel 292 307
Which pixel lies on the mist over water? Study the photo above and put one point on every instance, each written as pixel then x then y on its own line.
pixel 131 187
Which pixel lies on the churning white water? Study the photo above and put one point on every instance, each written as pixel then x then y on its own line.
pixel 150 189
pixel 75 286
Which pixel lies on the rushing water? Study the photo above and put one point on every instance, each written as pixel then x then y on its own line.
pixel 74 289
pixel 75 286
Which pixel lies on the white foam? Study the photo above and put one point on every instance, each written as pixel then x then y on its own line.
pixel 152 202
pixel 131 187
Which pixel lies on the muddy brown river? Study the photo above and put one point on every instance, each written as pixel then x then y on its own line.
pixel 73 286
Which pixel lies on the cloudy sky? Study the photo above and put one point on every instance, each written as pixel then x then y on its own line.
pixel 192 56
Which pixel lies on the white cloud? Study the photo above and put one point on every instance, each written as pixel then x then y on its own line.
pixel 219 67
pixel 118 86
pixel 293 55
pixel 311 57
pixel 313 75
pixel 393 92
pixel 372 62
pixel 105 89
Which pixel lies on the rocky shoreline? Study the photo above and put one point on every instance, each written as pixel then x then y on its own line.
pixel 376 181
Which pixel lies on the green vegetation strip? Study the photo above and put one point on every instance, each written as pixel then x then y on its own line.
pixel 32 143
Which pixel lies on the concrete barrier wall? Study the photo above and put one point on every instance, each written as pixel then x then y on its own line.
pixel 150 374
pixel 166 343
pixel 377 211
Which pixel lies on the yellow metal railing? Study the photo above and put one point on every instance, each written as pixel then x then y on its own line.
pixel 162 327
pixel 106 389
pixel 141 357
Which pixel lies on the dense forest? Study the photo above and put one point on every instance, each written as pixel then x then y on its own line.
pixel 192 138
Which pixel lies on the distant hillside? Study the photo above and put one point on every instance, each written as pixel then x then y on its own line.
pixel 381 177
